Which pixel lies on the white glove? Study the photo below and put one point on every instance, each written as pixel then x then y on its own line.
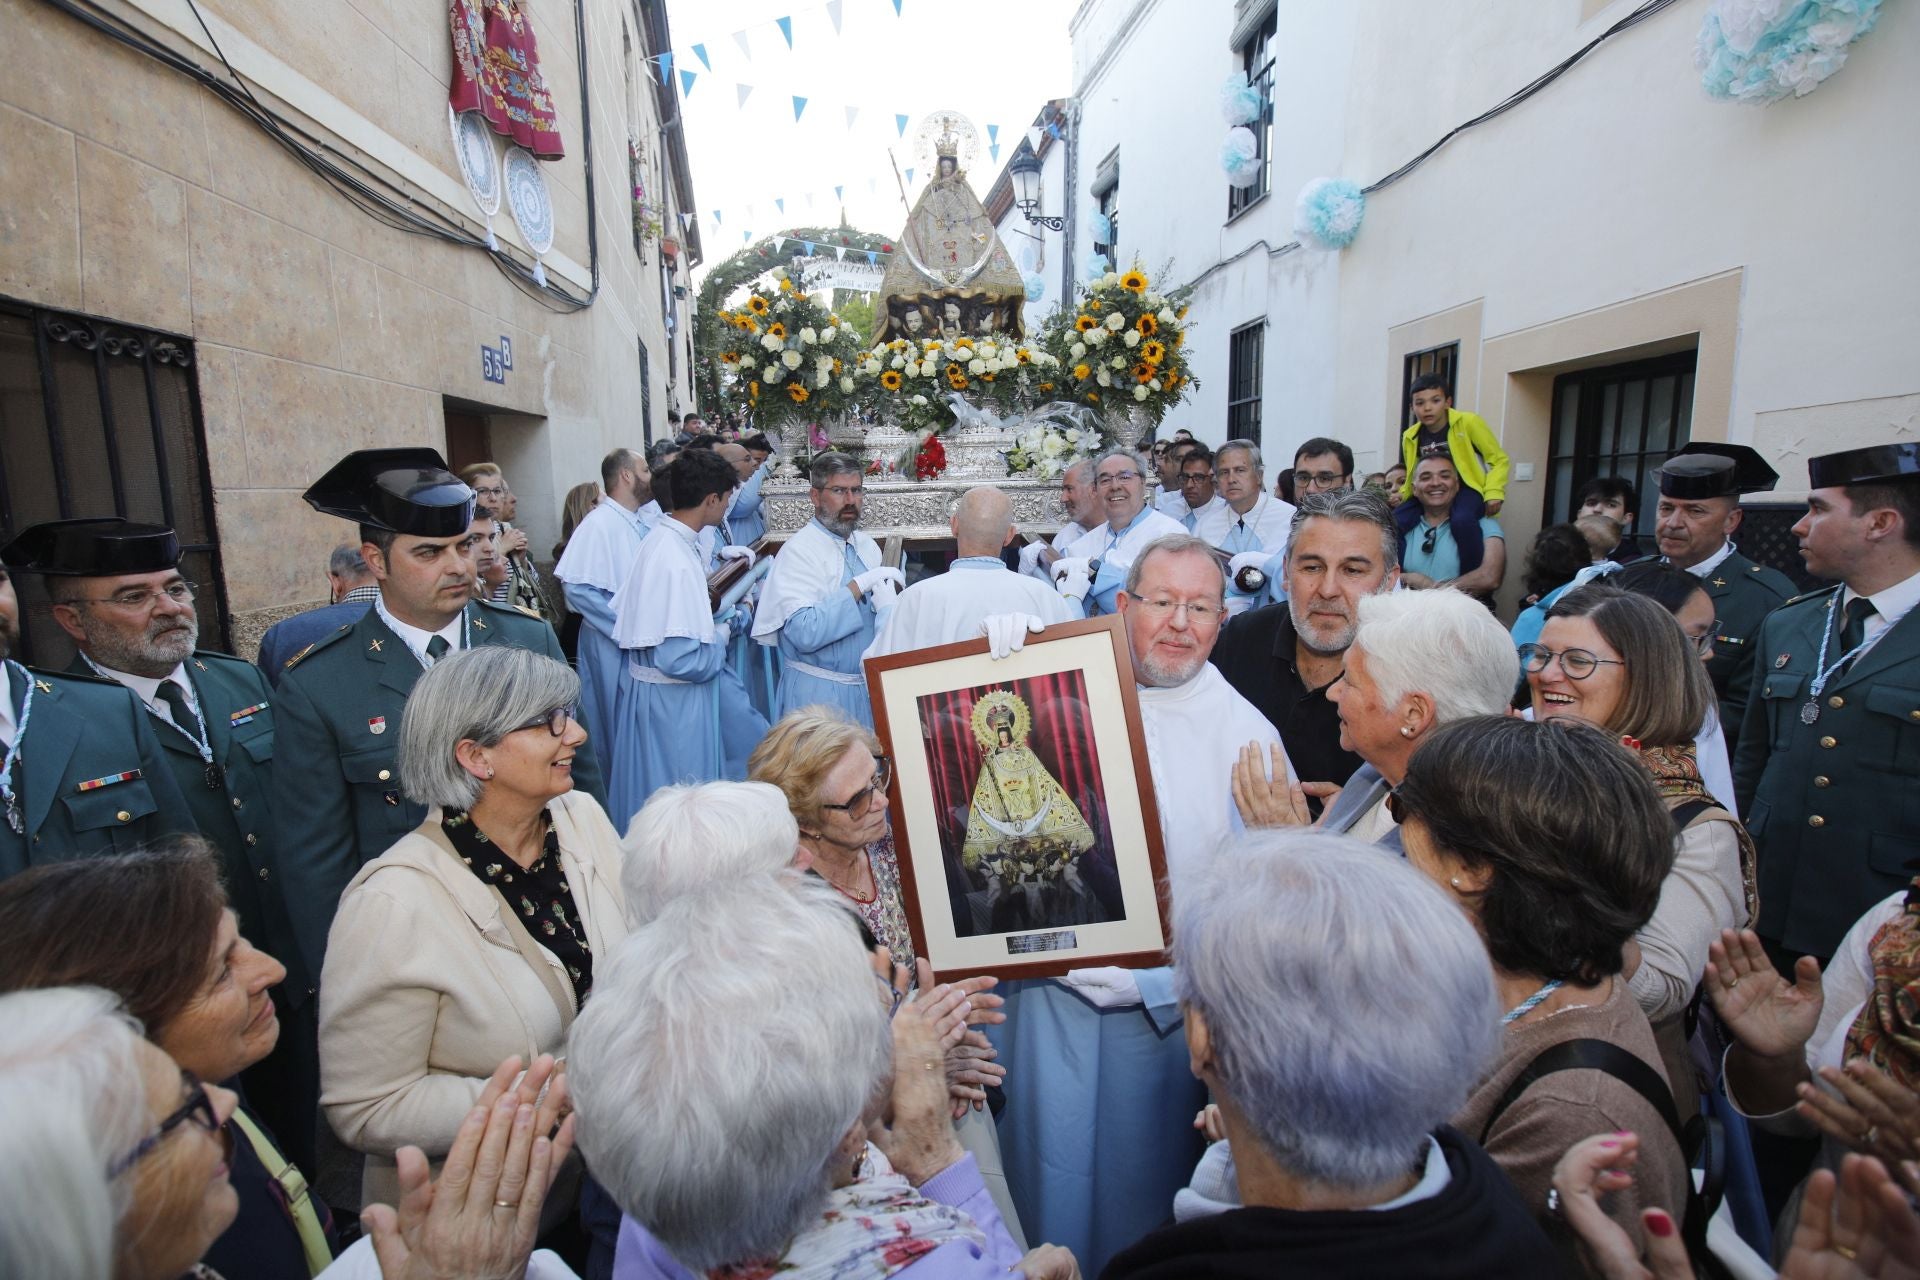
pixel 1105 988
pixel 1030 557
pixel 1257 559
pixel 872 578
pixel 1073 576
pixel 1007 632
pixel 882 595
pixel 731 552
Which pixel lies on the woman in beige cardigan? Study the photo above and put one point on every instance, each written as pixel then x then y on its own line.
pixel 474 937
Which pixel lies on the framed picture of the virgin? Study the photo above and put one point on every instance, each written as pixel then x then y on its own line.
pixel 1023 810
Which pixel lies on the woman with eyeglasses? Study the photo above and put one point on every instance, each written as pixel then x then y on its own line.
pixel 1554 842
pixel 155 928
pixel 1429 556
pixel 126 1155
pixel 1685 597
pixel 476 935
pixel 1621 663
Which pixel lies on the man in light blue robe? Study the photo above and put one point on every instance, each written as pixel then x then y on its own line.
pixel 681 714
pixel 746 519
pixel 593 567
pixel 1092 570
pixel 1098 1125
pixel 823 596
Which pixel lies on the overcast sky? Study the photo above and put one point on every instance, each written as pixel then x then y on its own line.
pixel 995 61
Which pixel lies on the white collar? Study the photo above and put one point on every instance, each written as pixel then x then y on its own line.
pixel 416 639
pixel 1435 1175
pixel 7 725
pixel 1890 603
pixel 1713 561
pixel 687 533
pixel 649 513
pixel 147 688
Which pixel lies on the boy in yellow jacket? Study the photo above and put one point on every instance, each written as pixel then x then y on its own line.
pixel 1477 456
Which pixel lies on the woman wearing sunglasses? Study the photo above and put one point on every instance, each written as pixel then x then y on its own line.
pixel 1622 663
pixel 1554 842
pixel 476 935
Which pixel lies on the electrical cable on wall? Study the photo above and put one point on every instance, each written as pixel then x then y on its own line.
pixel 1512 100
pixel 331 167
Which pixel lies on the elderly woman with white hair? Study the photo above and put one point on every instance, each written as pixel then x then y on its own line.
pixel 121 1170
pixel 475 935
pixel 687 836
pixel 1420 659
pixel 728 1111
pixel 1340 1009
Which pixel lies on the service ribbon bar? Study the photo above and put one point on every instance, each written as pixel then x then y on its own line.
pixel 94 784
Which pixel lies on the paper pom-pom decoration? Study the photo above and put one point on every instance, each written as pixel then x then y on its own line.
pixel 1097 265
pixel 1328 213
pixel 1100 227
pixel 1240 102
pixel 1240 157
pixel 1036 287
pixel 1763 50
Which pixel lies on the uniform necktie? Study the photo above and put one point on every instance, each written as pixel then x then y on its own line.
pixel 437 648
pixel 1854 634
pixel 176 699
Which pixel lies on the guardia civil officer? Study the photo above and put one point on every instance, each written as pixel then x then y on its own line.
pixel 1829 754
pixel 1698 514
pixel 118 593
pixel 340 700
pixel 80 770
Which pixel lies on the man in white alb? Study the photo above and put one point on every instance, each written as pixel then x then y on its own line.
pixel 593 567
pixel 1083 512
pixel 1094 566
pixel 1250 525
pixel 978 594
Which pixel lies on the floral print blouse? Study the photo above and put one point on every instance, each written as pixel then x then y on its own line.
pixel 540 893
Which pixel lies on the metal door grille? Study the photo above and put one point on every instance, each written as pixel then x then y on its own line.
pixel 1617 420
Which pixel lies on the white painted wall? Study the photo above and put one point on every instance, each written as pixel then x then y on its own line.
pixel 1620 180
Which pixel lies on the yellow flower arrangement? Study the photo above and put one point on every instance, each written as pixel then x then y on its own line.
pixel 958 381
pixel 1142 372
pixel 1129 310
pixel 890 379
pixel 776 330
pixel 796 393
pixel 1085 323
pixel 1153 352
pixel 1134 282
pixel 1147 325
pixel 757 305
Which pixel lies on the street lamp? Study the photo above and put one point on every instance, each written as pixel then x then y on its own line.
pixel 1025 172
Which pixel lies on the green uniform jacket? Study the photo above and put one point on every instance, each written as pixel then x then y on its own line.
pixel 79 731
pixel 237 816
pixel 337 791
pixel 1744 593
pixel 1833 806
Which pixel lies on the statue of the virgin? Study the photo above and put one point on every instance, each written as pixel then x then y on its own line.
pixel 950 274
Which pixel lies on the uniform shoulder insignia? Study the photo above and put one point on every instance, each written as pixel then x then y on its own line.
pixel 1814 595
pixel 511 610
pixel 531 613
pixel 43 674
pixel 296 657
pixel 316 646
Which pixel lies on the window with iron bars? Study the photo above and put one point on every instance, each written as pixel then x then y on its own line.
pixel 1244 360
pixel 1443 360
pixel 103 419
pixel 1617 420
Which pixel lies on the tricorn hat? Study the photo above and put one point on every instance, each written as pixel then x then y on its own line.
pixel 1709 469
pixel 400 490
pixel 1875 464
pixel 96 547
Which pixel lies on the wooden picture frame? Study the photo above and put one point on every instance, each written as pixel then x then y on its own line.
pixel 1024 819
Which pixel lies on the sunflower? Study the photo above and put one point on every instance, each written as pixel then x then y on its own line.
pixel 953 371
pixel 727 316
pixel 1093 304
pixel 796 393
pixel 753 391
pixel 757 305
pixel 963 342
pixel 1147 325
pixel 958 381
pixel 1094 396
pixel 786 286
pixel 730 357
pixel 1081 372
pixel 776 330
pixel 833 320
pixel 890 379
pixel 986 377
pixel 838 368
pixel 1023 355
pixel 1152 352
pixel 1143 372
pixel 1134 282
pixel 1084 323
pixel 799 296
pixel 1181 314
pixel 1044 388
pixel 751 325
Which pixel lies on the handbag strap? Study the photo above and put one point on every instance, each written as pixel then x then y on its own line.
pixel 559 989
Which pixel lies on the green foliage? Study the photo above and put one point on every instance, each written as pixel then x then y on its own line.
pixel 857 314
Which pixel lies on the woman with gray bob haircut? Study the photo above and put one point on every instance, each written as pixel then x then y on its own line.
pixel 474 937
pixel 689 836
pixel 727 1109
pixel 1339 1008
